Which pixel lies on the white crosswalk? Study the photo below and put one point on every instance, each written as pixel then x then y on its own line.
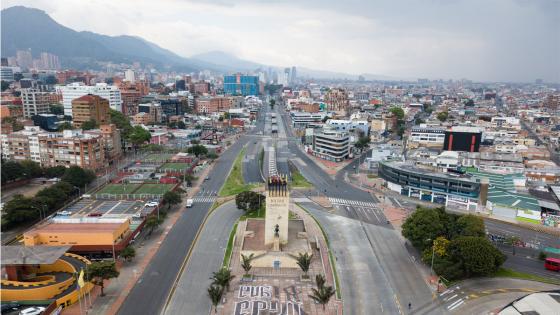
pixel 453 298
pixel 339 201
pixel 210 199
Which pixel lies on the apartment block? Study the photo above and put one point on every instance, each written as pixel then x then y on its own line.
pixel 72 147
pixel 35 102
pixel 90 107
pixel 208 105
pixel 22 145
pixel 75 90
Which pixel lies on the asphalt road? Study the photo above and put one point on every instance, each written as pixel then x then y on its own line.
pixel 376 275
pixel 151 291
pixel 190 296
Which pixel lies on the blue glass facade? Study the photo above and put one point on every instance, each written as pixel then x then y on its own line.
pixel 241 85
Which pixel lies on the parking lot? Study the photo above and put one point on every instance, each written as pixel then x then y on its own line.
pixel 107 209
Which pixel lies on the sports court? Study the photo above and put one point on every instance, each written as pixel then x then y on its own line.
pixel 116 189
pixel 155 189
pixel 174 167
pixel 158 157
pixel 133 191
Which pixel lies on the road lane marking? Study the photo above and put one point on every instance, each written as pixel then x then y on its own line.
pixel 450 298
pixel 454 307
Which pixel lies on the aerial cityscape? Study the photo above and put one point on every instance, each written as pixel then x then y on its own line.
pixel 280 157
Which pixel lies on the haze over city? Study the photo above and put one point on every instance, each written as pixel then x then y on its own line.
pixel 479 40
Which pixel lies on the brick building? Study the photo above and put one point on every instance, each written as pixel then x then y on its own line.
pixel 89 107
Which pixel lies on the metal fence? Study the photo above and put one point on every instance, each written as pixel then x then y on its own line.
pixel 127 196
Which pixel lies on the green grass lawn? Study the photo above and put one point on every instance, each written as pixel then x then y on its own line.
pixel 229 248
pixel 156 189
pixel 508 273
pixel 174 166
pixel 299 181
pixel 118 189
pixel 259 214
pixel 235 184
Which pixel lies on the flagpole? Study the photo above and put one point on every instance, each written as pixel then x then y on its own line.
pixel 79 300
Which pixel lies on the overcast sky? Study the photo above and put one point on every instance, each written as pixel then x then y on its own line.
pixel 487 40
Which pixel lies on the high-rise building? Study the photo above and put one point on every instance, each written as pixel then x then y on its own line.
pixel 130 100
pixel 22 145
pixel 90 107
pixel 129 75
pixel 49 61
pixel 294 75
pixel 35 102
pixel 287 76
pixel 75 90
pixel 239 84
pixel 24 59
pixel 7 74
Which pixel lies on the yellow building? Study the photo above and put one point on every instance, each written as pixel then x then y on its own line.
pixel 83 237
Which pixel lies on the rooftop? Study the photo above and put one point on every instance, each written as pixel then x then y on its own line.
pixel 32 255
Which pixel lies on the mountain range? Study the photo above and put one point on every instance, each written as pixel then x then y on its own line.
pixel 29 28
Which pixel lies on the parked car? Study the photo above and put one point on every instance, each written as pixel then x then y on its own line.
pixel 95 214
pixel 64 213
pixel 189 203
pixel 151 204
pixel 35 310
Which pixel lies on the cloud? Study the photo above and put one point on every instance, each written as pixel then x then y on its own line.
pixel 499 40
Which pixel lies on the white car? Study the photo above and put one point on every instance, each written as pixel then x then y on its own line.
pixel 36 310
pixel 64 213
pixel 151 204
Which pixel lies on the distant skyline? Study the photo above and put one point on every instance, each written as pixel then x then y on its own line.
pixel 498 40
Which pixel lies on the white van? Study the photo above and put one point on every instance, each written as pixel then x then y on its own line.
pixel 189 203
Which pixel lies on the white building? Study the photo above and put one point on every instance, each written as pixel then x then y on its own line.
pixel 331 145
pixel 302 119
pixel 35 102
pixel 349 125
pixel 428 136
pixel 22 145
pixel 129 75
pixel 78 89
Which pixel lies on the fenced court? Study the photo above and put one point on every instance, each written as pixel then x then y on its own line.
pixel 116 189
pixel 133 191
pixel 174 167
pixel 158 157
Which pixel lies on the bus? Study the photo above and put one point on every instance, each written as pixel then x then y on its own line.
pixel 552 264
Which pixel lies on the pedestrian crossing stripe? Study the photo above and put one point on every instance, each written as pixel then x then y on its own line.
pixel 352 202
pixel 204 199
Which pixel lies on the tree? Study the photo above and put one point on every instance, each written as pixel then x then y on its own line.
pixel 363 142
pixel 90 124
pixel 304 262
pixel 512 240
pixel 98 272
pixel 56 109
pixel 65 126
pixel 128 253
pixel 398 112
pixel 320 281
pixel 171 198
pixel 470 225
pixel 324 120
pixel 11 171
pixel 197 150
pixel 5 85
pixel 215 293
pixel 442 116
pixel 272 103
pixel 172 124
pixel 475 256
pixel 249 201
pixel 18 76
pixel 139 135
pixel 152 222
pixel 181 125
pixel 78 177
pixel 121 121
pixel 246 263
pixel 212 156
pixel 19 210
pixel 424 225
pixel 55 171
pixel 322 295
pixel 31 169
pixel 222 277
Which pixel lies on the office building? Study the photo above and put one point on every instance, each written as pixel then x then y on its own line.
pixel 75 90
pixel 461 138
pixel 449 189
pixel 7 74
pixel 49 61
pixel 302 119
pixel 239 84
pixel 331 145
pixel 35 102
pixel 208 105
pixel 148 113
pixel 427 137
pixel 72 147
pixel 48 122
pixel 90 107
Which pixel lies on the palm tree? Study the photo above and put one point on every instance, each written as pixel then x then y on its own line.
pixel 322 295
pixel 215 293
pixel 222 277
pixel 246 263
pixel 152 222
pixel 320 281
pixel 304 262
